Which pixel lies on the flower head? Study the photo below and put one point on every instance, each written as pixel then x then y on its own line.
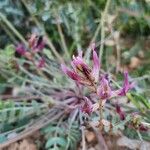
pixel 81 71
pixel 120 112
pixel 36 43
pixel 79 65
pixel 86 107
pixel 21 49
pixel 104 90
pixel 126 85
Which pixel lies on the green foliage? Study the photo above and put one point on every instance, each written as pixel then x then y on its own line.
pixel 140 102
pixel 132 133
pixel 61 137
pixel 11 112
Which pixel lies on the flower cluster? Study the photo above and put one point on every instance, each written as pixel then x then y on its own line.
pixel 90 77
pixel 36 44
pixel 81 72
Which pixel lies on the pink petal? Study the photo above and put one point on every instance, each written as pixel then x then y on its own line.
pixel 87 106
pixel 96 66
pixel 73 75
pixel 79 64
pixel 21 49
pixel 120 112
pixel 126 85
pixel 41 63
pixel 104 90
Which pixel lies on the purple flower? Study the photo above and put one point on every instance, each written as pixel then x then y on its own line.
pixel 81 72
pixel 126 85
pixel 143 128
pixel 120 112
pixel 41 63
pixel 36 43
pixel 104 90
pixel 79 65
pixel 96 64
pixel 40 45
pixel 73 75
pixel 21 49
pixel 87 107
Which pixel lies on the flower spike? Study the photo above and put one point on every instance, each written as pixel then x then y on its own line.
pixel 104 90
pixel 126 85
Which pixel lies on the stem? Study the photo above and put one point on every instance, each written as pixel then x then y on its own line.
pixel 83 132
pixel 64 45
pixel 140 136
pixel 8 23
pixel 102 28
pixel 39 71
pixel 87 55
pixel 101 114
pixel 101 141
pixel 11 36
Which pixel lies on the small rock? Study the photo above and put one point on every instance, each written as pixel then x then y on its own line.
pixel 90 136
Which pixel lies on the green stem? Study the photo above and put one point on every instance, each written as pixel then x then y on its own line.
pixel 12 28
pixel 102 27
pixel 64 45
pixel 11 36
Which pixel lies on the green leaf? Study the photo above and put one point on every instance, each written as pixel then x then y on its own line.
pixel 3 115
pixel 134 101
pixel 142 100
pixel 56 140
pixel 9 50
pixel 36 107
